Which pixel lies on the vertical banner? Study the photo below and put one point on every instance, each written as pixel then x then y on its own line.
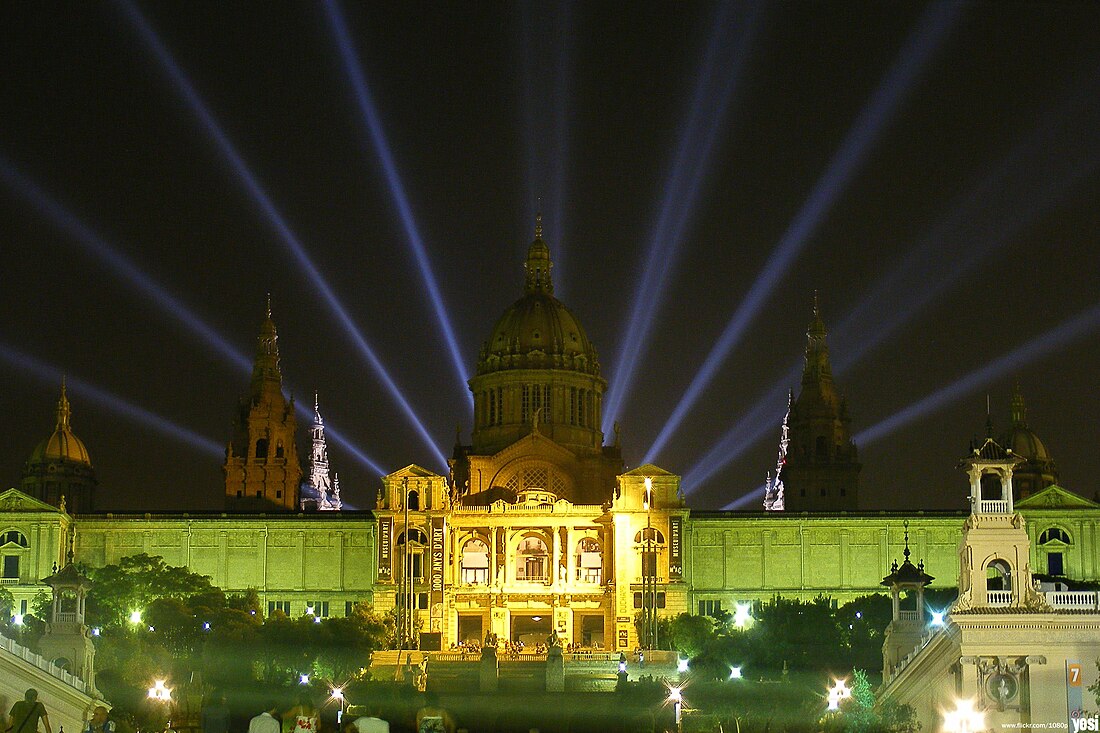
pixel 439 561
pixel 385 549
pixel 675 549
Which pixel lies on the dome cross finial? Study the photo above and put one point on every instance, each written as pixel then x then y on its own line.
pixel 64 411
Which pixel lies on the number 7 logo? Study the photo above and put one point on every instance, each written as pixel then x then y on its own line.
pixel 1073 673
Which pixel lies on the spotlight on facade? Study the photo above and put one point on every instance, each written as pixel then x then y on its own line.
pixel 838 693
pixel 95 631
pixel 206 626
pixel 310 611
pixel 681 665
pixel 303 679
pixel 316 619
pixel 735 673
pixel 159 692
pixel 17 619
pixel 742 615
pixel 675 694
pixel 622 666
pixel 964 718
pixel 937 618
pixel 338 694
pixel 135 617
pixel 152 628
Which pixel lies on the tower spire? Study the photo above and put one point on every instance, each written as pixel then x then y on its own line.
pixel 774 493
pixel 64 411
pixel 538 265
pixel 1019 409
pixel 817 367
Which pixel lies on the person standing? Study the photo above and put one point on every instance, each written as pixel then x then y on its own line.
pixel 370 723
pixel 303 717
pixel 215 715
pixel 433 718
pixel 26 713
pixel 266 722
pixel 99 722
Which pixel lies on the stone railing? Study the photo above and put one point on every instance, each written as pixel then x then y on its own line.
pixel 9 581
pixel 909 616
pixel 999 597
pixel 1083 600
pixel 593 656
pixel 65 618
pixel 992 507
pixel 42 663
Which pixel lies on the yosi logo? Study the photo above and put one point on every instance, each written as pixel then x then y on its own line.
pixel 1080 722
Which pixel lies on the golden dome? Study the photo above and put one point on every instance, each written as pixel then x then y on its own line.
pixel 538 331
pixel 62 445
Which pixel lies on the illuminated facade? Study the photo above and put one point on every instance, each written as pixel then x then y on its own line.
pixel 536 528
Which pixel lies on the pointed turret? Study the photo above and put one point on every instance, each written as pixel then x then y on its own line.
pixel 261 466
pixel 327 493
pixel 538 264
pixel 822 467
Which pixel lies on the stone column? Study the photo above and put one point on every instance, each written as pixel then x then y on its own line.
pixel 571 557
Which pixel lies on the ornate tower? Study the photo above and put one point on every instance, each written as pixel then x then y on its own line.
pixel 1038 469
pixel 538 379
pixel 995 552
pixel 326 490
pixel 907 624
pixel 822 469
pixel 261 461
pixel 775 491
pixel 60 466
pixel 66 642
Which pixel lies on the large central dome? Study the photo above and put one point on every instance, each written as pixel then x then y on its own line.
pixel 537 372
pixel 538 331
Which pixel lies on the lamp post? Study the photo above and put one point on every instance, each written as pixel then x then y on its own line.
pixel 338 694
pixel 649 572
pixel 964 718
pixel 838 693
pixel 676 697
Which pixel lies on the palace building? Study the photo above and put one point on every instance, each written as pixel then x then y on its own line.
pixel 536 528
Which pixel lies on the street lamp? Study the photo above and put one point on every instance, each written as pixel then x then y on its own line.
pixel 937 618
pixel 303 679
pixel 338 694
pixel 677 699
pixel 681 665
pixel 742 615
pixel 964 718
pixel 735 673
pixel 135 617
pixel 838 693
pixel 159 692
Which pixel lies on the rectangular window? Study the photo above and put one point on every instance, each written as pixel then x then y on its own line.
pixel 1054 564
pixel 709 607
pixel 422 601
pixel 23 606
pixel 273 606
pixel 649 564
pixel 349 607
pixel 525 404
pixel 11 566
pixel 320 608
pixel 660 599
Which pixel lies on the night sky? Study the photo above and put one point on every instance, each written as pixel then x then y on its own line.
pixel 932 172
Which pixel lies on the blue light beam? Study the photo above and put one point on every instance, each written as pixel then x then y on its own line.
pixel 756 495
pixel 120 264
pixel 373 123
pixel 272 215
pixel 932 29
pixel 49 374
pixel 690 166
pixel 1027 183
pixel 1079 326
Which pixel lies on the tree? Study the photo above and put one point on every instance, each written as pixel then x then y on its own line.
pixel 134 583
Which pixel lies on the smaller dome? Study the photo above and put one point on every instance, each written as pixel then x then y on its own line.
pixel 1023 441
pixel 62 445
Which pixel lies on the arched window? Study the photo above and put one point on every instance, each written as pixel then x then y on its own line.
pixel 1054 534
pixel 261 448
pixel 589 561
pixel 649 534
pixel 279 449
pixel 414 501
pixel 474 569
pixel 14 537
pixel 998 576
pixel 991 487
pixel 532 560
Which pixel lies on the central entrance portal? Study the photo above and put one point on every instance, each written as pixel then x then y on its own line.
pixel 531 628
pixel 470 628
